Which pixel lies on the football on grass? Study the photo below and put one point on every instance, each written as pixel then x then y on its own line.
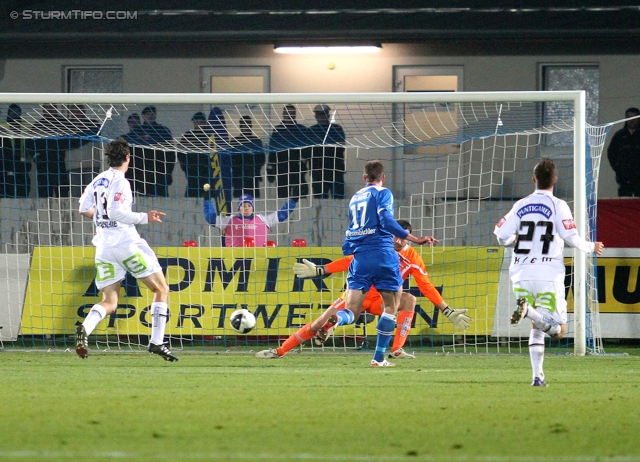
pixel 242 321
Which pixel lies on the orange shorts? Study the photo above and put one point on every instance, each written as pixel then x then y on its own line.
pixel 372 302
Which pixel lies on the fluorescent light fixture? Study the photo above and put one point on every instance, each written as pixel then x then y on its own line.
pixel 311 50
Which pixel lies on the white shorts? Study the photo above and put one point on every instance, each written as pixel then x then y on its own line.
pixel 136 257
pixel 545 296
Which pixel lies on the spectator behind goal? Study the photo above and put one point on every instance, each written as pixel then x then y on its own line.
pixel 246 224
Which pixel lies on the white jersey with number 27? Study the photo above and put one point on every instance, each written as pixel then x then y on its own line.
pixel 110 194
pixel 542 223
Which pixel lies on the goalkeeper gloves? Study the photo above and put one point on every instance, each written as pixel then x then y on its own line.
pixel 457 317
pixel 306 269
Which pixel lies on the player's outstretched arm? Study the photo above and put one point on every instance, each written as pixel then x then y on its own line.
pixel 154 216
pixel 598 248
pixel 287 209
pixel 422 240
pixel 124 215
pixel 574 240
pixel 209 211
pixel 308 269
pixel 391 225
pixel 458 317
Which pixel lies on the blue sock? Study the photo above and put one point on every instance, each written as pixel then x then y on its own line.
pixel 386 326
pixel 344 317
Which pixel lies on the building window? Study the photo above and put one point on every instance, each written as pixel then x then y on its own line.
pixel 93 79
pixel 559 77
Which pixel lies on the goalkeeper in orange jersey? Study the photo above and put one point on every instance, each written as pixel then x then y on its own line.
pixel 411 263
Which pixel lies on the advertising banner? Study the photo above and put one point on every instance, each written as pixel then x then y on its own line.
pixel 207 284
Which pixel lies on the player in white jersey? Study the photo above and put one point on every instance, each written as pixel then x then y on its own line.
pixel 539 225
pixel 119 248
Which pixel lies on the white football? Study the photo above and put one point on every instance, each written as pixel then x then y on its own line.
pixel 242 321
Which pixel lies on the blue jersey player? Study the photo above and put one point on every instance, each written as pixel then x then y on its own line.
pixel 375 262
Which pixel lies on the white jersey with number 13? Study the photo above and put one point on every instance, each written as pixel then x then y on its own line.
pixel 110 194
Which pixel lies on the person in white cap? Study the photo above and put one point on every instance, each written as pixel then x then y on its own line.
pixel 246 223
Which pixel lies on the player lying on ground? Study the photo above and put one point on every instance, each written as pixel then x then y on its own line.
pixel 538 226
pixel 411 263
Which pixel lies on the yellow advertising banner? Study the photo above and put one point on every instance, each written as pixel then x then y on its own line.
pixel 618 282
pixel 207 284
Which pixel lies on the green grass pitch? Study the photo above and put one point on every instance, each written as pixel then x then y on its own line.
pixel 324 407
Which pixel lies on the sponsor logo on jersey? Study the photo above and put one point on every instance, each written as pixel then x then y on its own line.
pixel 119 197
pixel 106 224
pixel 361 232
pixel 569 224
pixel 101 182
pixel 245 226
pixel 501 222
pixel 360 196
pixel 534 208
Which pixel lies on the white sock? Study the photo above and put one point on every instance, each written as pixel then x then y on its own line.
pixel 549 326
pixel 533 314
pixel 95 315
pixel 158 322
pixel 544 323
pixel 536 352
pixel 387 315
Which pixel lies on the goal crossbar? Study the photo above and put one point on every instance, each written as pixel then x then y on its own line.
pixel 293 98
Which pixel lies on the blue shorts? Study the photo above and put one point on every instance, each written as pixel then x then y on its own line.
pixel 379 268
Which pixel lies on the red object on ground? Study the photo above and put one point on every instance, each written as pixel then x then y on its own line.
pixel 193 243
pixel 249 242
pixel 299 243
pixel 270 244
pixel 185 244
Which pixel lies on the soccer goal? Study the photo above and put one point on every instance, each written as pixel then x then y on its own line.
pixel 456 162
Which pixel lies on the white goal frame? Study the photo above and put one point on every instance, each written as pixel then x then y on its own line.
pixel 577 98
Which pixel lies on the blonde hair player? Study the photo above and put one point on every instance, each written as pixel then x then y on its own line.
pixel 120 249
pixel 538 226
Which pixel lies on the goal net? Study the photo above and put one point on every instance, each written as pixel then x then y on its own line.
pixel 456 162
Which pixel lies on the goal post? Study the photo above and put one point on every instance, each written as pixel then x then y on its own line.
pixel 580 216
pixel 455 162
